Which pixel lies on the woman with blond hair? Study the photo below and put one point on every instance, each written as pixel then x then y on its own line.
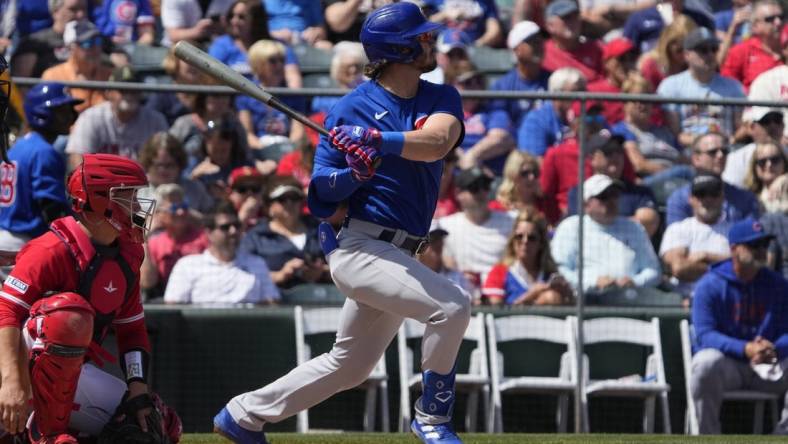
pixel 527 274
pixel 520 190
pixel 264 125
pixel 667 57
pixel 768 162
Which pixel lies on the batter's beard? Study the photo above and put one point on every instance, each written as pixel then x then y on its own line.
pixel 426 61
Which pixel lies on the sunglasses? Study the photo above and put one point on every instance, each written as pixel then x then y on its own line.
pixel 715 152
pixel 243 189
pixel 609 194
pixel 704 194
pixel 226 227
pixel 529 174
pixel 760 244
pixel 279 60
pixel 595 118
pixel 87 44
pixel 178 206
pixel 772 18
pixel 706 49
pixel 774 160
pixel 479 185
pixel 530 238
pixel 288 198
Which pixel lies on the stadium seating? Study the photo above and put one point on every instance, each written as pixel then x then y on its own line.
pixel 325 321
pixel 530 327
pixel 475 382
pixel 759 398
pixel 649 386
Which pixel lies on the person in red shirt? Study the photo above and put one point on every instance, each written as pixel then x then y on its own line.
pixel 762 51
pixel 566 48
pixel 619 58
pixel 68 288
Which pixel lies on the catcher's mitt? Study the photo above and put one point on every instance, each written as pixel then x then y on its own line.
pixel 123 427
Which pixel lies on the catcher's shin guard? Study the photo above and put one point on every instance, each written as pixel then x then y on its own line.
pixel 62 328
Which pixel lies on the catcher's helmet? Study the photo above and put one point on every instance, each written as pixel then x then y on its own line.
pixel 108 185
pixel 390 33
pixel 42 99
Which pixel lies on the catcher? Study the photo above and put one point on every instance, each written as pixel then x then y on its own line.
pixel 68 288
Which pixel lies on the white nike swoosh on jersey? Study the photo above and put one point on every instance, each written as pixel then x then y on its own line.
pixel 379 116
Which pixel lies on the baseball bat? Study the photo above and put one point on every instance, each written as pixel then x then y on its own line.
pixel 226 75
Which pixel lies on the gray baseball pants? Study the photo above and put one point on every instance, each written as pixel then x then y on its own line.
pixel 383 285
pixel 713 373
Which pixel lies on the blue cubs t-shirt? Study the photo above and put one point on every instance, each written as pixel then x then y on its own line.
pixel 226 51
pixel 403 193
pixel 120 17
pixel 36 172
pixel 477 125
pixel 476 13
pixel 267 120
pixel 540 130
pixel 512 81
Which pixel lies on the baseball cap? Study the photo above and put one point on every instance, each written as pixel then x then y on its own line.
pixel 245 174
pixel 561 8
pixel 757 113
pixel 698 37
pixel 617 47
pixel 705 184
pixel 522 32
pixel 281 190
pixel 605 142
pixel 466 178
pixel 78 31
pixel 598 184
pixel 747 231
pixel 450 39
pixel 124 74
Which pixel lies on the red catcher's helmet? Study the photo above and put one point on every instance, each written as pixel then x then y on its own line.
pixel 107 184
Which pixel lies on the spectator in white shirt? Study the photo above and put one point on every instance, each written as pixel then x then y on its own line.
pixel 690 246
pixel 764 125
pixel 221 275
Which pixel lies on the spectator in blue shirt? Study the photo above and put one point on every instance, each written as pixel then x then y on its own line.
pixel 478 18
pixel 527 44
pixel 247 23
pixel 740 314
pixel 126 21
pixel 488 138
pixel 548 125
pixel 709 153
pixel 266 126
pixel 296 21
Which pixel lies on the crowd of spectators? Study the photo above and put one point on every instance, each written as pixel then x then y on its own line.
pixel 665 182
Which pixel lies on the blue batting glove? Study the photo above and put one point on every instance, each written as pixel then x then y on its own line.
pixel 362 160
pixel 348 137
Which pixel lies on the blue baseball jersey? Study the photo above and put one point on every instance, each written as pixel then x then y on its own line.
pixel 477 125
pixel 120 18
pixel 36 172
pixel 403 193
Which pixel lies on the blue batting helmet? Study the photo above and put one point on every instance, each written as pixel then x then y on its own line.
pixel 40 101
pixel 390 33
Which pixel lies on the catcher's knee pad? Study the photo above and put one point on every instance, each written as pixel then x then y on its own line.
pixel 62 329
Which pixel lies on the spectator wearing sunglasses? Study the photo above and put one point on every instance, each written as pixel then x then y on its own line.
pixel 527 275
pixel 709 154
pixel 287 239
pixel 617 252
pixel 772 85
pixel 768 162
pixel 740 321
pixel 221 275
pixel 246 193
pixel 763 125
pixel 520 189
pixel 84 42
pixel 700 81
pixel 689 247
pixel 477 235
pixel 488 133
pixel 761 52
pixel 178 233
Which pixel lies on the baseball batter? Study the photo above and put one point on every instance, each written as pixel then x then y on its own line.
pixel 68 288
pixel 408 125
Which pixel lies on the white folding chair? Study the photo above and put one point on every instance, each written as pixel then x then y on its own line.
pixel 326 320
pixel 528 327
pixel 474 383
pixel 653 385
pixel 759 398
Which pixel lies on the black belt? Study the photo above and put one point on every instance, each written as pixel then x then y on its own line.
pixel 415 245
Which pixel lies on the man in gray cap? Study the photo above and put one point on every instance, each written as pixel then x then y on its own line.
pixel 566 48
pixel 700 80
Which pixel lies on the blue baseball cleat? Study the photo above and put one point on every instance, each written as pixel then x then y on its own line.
pixel 225 425
pixel 435 433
